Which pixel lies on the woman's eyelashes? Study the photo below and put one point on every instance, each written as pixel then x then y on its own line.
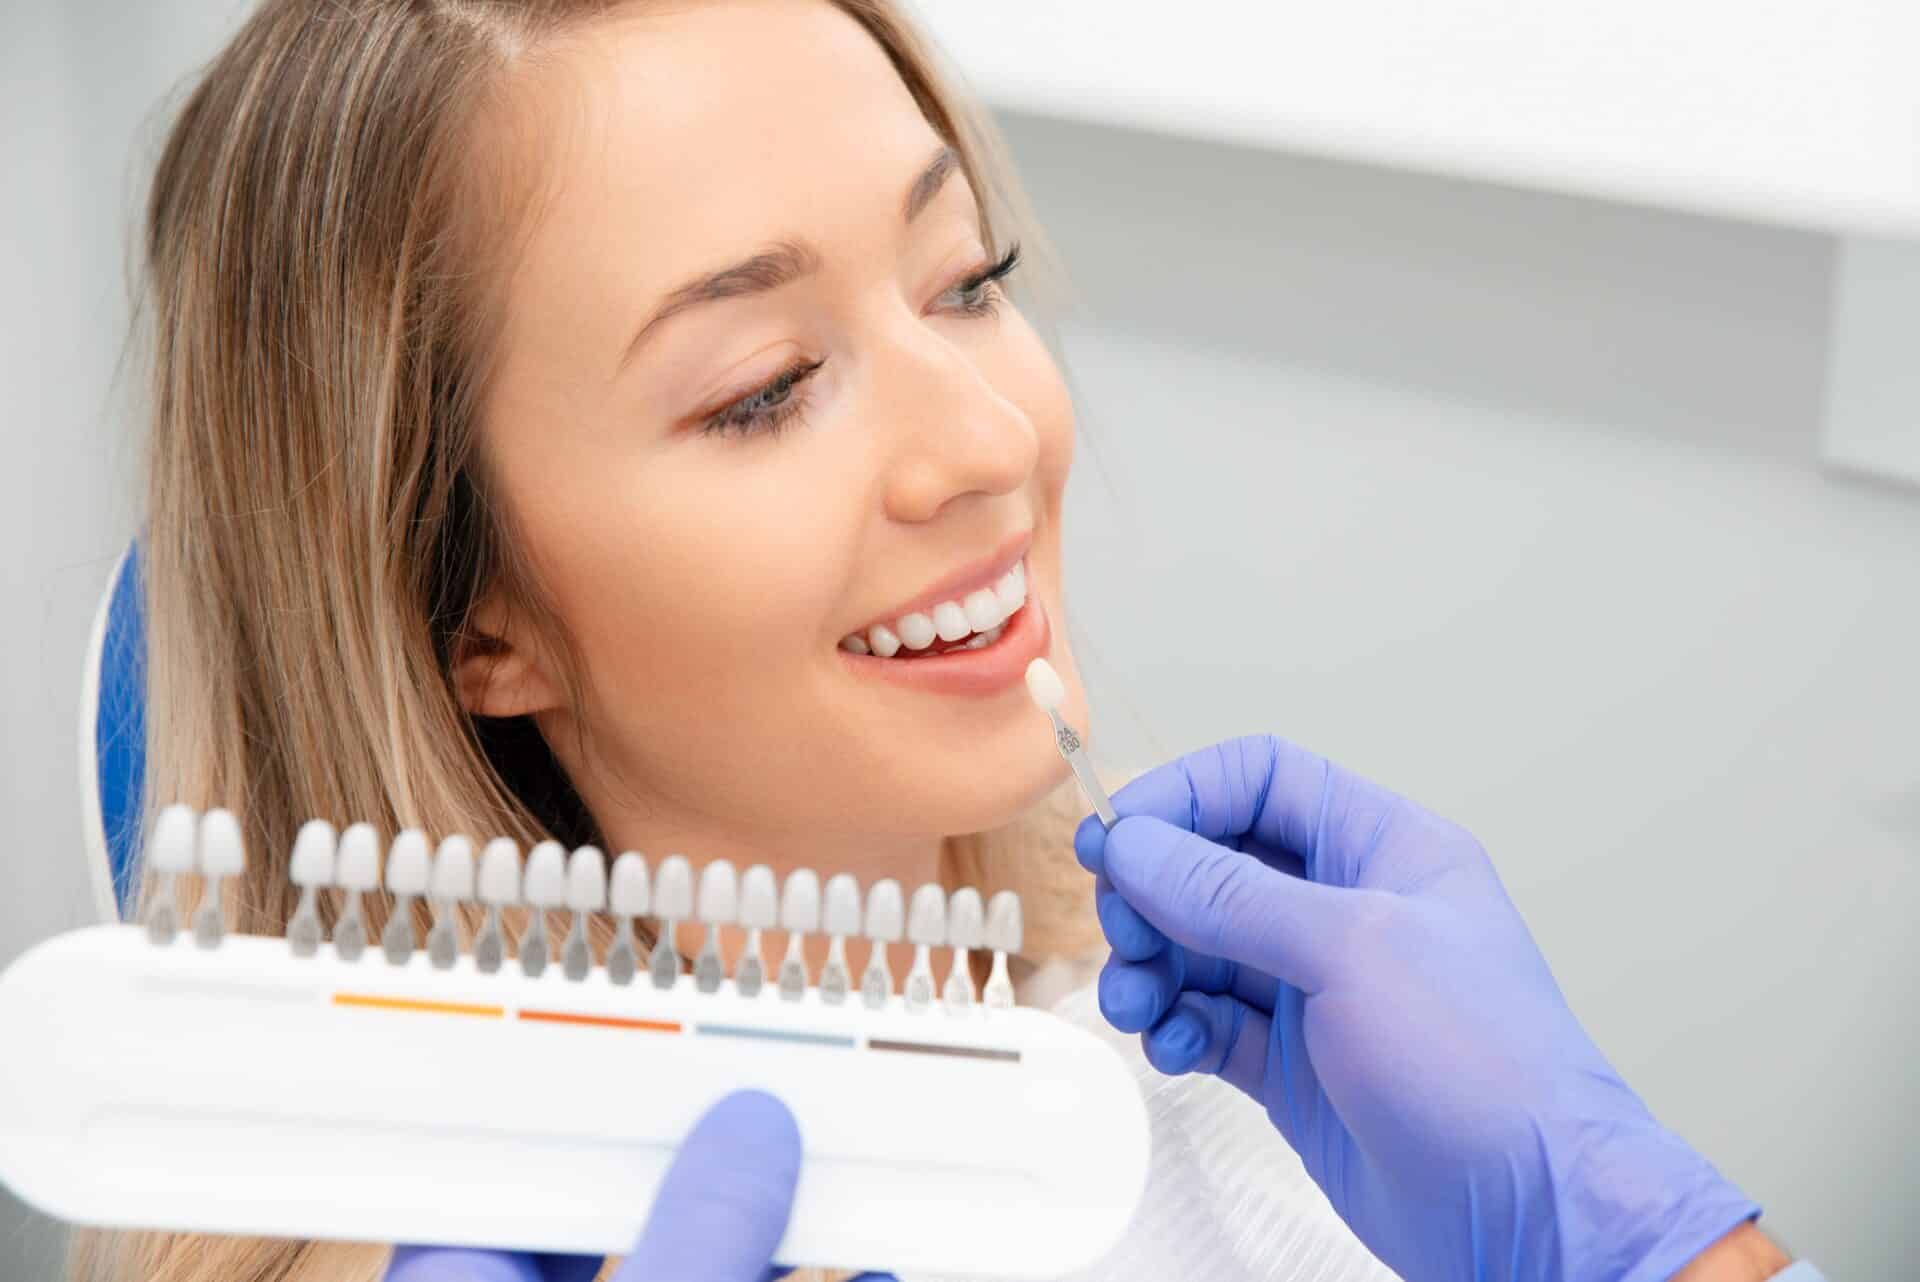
pixel 781 400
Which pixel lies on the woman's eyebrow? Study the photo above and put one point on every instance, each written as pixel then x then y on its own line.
pixel 781 264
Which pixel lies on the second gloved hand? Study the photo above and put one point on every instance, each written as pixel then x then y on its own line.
pixel 1352 962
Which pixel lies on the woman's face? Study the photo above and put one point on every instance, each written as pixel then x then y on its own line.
pixel 757 396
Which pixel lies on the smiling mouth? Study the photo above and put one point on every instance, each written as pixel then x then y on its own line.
pixel 970 623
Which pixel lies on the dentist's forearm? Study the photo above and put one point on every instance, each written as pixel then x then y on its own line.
pixel 1744 1255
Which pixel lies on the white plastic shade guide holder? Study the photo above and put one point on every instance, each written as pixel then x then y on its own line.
pixel 499 887
pixel 628 896
pixel 586 895
pixel 672 904
pixel 311 869
pixel 885 923
pixel 719 906
pixel 222 856
pixel 799 917
pixel 840 917
pixel 171 850
pixel 543 888
pixel 356 869
pixel 966 930
pixel 1004 931
pixel 759 910
pixel 408 865
pixel 926 931
pixel 449 886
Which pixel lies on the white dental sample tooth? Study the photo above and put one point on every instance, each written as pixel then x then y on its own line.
pixel 883 641
pixel 950 621
pixel 1004 929
pixel 840 918
pixel 916 630
pixel 543 887
pixel 450 883
pixel 586 894
pixel 855 644
pixel 759 910
pixel 719 906
pixel 628 895
pixel 983 610
pixel 357 870
pixel 499 888
pixel 1045 686
pixel 672 904
pixel 926 930
pixel 966 924
pixel 310 867
pixel 408 865
pixel 222 855
pixel 799 917
pixel 170 849
pixel 885 922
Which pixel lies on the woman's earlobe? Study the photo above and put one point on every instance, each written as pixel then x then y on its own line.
pixel 496 672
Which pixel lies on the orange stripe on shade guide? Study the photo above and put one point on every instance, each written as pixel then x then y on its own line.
pixel 600 1021
pixel 430 1008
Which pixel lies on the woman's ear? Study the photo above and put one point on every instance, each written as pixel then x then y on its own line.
pixel 499 667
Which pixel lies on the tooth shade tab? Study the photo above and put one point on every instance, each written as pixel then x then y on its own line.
pixel 927 917
pixel 453 869
pixel 545 885
pixel 759 898
pixel 587 880
pixel 357 866
pixel 842 916
pixel 500 873
pixel 174 845
pixel 966 919
pixel 222 854
pixel 407 863
pixel 1004 926
pixel 311 863
pixel 800 902
pixel 719 893
pixel 886 911
pixel 1045 685
pixel 673 889
pixel 629 893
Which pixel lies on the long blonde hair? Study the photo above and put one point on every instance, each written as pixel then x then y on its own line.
pixel 318 527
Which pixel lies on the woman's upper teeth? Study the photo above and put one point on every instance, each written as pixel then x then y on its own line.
pixel 981 611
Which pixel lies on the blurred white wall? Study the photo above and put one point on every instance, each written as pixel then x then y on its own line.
pixel 1507 499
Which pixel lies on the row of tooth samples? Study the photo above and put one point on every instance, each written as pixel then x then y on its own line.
pixel 581 882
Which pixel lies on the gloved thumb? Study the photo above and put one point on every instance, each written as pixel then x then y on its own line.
pixel 1228 904
pixel 723 1206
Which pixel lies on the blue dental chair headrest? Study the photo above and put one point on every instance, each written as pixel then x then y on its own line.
pixel 113 738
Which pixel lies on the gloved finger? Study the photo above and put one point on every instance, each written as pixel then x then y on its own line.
pixel 1228 904
pixel 461 1264
pixel 1212 1033
pixel 1134 995
pixel 723 1206
pixel 1128 933
pixel 1089 843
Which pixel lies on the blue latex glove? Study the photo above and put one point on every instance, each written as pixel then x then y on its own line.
pixel 1352 963
pixel 718 1216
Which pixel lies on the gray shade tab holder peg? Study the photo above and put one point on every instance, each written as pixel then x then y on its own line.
pixel 499 887
pixel 171 849
pixel 356 870
pixel 628 896
pixel 543 889
pixel 586 895
pixel 408 864
pixel 222 856
pixel 672 904
pixel 311 869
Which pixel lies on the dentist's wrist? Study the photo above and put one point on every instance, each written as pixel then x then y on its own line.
pixel 1744 1255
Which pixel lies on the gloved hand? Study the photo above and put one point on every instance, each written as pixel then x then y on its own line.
pixel 718 1216
pixel 1352 963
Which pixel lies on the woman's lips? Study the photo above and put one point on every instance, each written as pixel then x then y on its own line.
pixel 1024 637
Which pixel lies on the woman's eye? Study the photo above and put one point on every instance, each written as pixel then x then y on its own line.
pixel 768 409
pixel 979 293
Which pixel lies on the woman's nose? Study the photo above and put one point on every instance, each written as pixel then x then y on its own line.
pixel 954 433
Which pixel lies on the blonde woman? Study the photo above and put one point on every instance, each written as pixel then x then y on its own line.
pixel 608 421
